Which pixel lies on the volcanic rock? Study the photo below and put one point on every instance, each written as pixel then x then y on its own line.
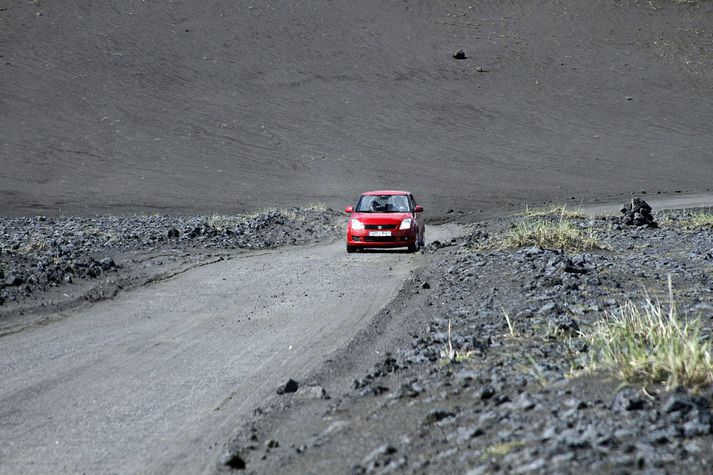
pixel 627 400
pixel 107 263
pixel 13 280
pixel 460 54
pixel 290 386
pixel 437 415
pixel 638 213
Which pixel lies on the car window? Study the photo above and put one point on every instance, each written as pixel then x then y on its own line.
pixel 384 204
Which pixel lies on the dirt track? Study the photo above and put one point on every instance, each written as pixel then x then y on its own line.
pixel 224 106
pixel 156 380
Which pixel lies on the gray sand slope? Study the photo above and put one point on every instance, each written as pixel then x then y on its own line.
pixel 221 105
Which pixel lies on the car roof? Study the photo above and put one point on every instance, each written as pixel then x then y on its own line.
pixel 386 192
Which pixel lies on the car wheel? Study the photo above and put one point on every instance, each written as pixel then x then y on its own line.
pixel 415 246
pixel 351 249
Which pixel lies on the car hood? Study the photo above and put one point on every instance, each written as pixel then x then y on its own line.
pixel 381 218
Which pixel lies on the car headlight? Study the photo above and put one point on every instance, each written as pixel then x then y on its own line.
pixel 357 225
pixel 405 224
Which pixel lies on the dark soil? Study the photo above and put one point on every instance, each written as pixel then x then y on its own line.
pixel 188 107
pixel 513 399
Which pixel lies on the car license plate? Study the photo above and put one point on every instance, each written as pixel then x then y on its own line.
pixel 379 233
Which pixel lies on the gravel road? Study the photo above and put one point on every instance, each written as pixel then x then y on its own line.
pixel 155 380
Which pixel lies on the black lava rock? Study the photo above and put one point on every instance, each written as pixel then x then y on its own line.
pixel 460 54
pixel 13 280
pixel 487 393
pixel 290 386
pixel 234 461
pixel 107 263
pixel 437 415
pixel 627 400
pixel 638 213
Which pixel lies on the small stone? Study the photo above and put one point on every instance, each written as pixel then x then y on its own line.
pixel 381 452
pixel 627 400
pixel 692 448
pixel 271 444
pixel 437 415
pixel 312 392
pixel 677 403
pixel 13 280
pixel 460 54
pixel 425 285
pixel 408 390
pixel 290 386
pixel 173 233
pixel 464 434
pixel 487 392
pixel 523 402
pixel 107 263
pixel 234 461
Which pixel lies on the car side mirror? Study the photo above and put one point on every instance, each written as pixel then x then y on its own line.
pixel 418 209
pixel 349 209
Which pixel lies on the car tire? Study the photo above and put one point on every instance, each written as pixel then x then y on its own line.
pixel 351 249
pixel 415 246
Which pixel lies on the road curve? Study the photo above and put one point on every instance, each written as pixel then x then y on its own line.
pixel 155 380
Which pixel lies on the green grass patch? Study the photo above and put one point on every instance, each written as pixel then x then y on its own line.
pixel 561 234
pixel 650 344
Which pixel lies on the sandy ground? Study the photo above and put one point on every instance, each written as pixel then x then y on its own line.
pixel 226 106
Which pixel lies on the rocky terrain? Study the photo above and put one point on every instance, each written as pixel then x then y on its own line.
pixel 484 364
pixel 44 259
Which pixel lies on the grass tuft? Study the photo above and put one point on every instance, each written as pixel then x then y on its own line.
pixel 559 211
pixel 701 220
pixel 548 234
pixel 692 221
pixel 647 344
pixel 500 449
pixel 510 327
pixel 224 222
pixel 221 222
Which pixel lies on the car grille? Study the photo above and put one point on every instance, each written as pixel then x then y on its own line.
pixel 385 238
pixel 380 226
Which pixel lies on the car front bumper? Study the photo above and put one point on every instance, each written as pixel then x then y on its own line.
pixel 398 238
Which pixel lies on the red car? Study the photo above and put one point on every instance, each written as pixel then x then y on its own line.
pixel 385 219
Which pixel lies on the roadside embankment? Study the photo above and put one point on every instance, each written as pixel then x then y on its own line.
pixel 48 263
pixel 540 343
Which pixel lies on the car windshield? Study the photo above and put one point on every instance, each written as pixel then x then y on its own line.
pixel 383 204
